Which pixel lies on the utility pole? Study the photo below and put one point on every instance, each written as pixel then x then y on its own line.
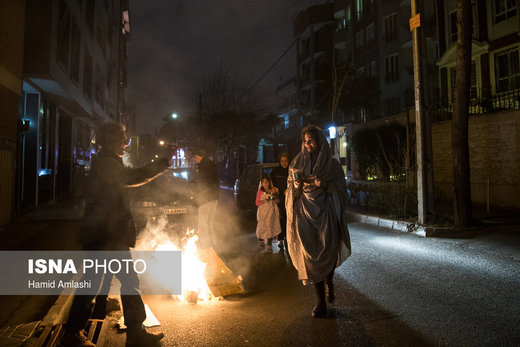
pixel 424 153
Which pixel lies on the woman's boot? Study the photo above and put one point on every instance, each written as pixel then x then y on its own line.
pixel 329 286
pixel 320 311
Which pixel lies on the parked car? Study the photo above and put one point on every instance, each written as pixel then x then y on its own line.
pixel 247 184
pixel 170 195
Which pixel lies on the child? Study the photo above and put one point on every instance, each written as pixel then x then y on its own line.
pixel 267 215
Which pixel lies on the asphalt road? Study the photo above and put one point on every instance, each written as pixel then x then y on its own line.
pixel 396 289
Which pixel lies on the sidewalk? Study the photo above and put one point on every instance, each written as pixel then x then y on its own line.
pixel 484 222
pixel 27 225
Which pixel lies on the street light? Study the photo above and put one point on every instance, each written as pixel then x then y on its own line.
pixel 174 115
pixel 161 142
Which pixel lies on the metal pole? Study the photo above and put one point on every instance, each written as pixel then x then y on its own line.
pixel 422 121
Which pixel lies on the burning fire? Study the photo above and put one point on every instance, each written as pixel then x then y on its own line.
pixel 194 285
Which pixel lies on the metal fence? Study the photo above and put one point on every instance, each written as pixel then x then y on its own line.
pixel 505 101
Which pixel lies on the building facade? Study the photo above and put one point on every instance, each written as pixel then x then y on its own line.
pixel 313 30
pixel 74 78
pixel 495 61
pixel 12 19
pixel 374 43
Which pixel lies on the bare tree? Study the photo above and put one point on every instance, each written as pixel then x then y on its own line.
pixel 460 147
pixel 340 74
pixel 227 114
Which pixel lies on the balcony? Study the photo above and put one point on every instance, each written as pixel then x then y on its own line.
pixel 341 37
pixel 318 14
pixel 505 101
pixel 340 5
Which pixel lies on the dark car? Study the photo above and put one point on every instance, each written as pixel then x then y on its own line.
pixel 247 185
pixel 169 195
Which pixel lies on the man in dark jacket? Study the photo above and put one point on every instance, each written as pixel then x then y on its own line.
pixel 208 189
pixel 108 226
pixel 279 178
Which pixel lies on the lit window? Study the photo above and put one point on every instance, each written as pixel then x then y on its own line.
pixel 359 9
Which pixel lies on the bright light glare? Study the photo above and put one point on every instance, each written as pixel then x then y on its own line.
pixel 332 131
pixel 161 143
pixel 183 174
pixel 174 115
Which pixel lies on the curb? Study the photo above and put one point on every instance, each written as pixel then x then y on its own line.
pixel 402 226
pixel 59 312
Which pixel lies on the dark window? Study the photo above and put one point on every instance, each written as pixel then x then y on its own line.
pixel 91 7
pixel 63 44
pixel 390 26
pixel 371 35
pixel 453 26
pixel 392 68
pixel 87 74
pixel 504 9
pixel 507 70
pixel 75 52
pixel 360 39
pixel 100 88
pixel 473 81
pixel 100 37
pixel 371 69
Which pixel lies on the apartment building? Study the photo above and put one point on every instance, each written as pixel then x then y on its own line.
pixel 373 39
pixel 74 78
pixel 12 19
pixel 314 28
pixel 495 61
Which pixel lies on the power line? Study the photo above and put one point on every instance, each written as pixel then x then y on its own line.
pixel 270 68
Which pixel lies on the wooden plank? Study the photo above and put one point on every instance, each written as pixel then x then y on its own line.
pixel 93 327
pixel 103 333
pixel 43 337
pixel 221 280
pixel 56 336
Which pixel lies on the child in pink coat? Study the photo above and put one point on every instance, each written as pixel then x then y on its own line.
pixel 267 214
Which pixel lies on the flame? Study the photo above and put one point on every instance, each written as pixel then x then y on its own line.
pixel 194 285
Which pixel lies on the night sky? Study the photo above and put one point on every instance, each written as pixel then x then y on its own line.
pixel 176 44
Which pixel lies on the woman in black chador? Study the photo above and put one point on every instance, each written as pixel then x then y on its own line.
pixel 317 234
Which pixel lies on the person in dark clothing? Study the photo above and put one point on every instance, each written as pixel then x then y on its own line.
pixel 107 225
pixel 317 232
pixel 207 195
pixel 279 177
